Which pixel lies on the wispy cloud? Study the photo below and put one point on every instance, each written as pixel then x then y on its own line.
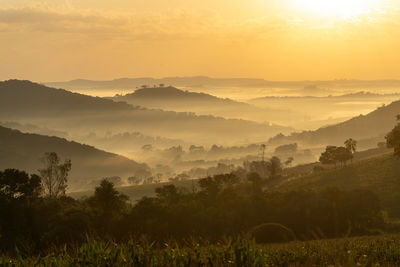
pixel 172 24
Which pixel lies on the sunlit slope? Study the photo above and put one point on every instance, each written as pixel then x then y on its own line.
pixel 380 175
pixel 27 102
pixel 24 151
pixel 376 123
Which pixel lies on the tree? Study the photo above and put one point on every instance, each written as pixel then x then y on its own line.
pixel 351 145
pixel 342 155
pixel 334 154
pixel 274 167
pixel 108 204
pixel 260 167
pixel 289 161
pixel 328 157
pixel 18 192
pixel 15 184
pixel 393 138
pixel 286 149
pixel 54 175
pixel 256 181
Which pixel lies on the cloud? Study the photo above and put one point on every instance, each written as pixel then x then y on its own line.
pixel 180 24
pixel 170 25
pixel 177 23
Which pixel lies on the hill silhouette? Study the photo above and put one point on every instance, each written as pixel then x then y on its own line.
pixel 24 151
pixel 374 124
pixel 77 114
pixel 21 97
pixel 171 98
pixel 204 81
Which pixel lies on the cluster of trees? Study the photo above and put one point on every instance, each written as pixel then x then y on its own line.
pixel 287 149
pixel 269 169
pixel 222 206
pixel 193 152
pixel 342 154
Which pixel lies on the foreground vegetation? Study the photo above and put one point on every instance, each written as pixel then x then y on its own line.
pixel 179 227
pixel 223 206
pixel 364 251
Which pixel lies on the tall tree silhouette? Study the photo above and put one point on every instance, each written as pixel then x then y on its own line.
pixel 351 145
pixel 54 175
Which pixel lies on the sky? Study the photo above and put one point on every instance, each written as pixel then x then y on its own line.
pixel 58 40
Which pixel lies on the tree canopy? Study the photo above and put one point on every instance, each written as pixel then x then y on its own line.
pixel 393 138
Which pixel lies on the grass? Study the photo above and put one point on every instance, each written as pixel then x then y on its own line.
pixel 380 175
pixel 362 251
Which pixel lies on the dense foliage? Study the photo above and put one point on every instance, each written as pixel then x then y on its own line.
pixel 224 206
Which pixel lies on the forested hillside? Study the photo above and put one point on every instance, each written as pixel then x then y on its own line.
pixel 25 151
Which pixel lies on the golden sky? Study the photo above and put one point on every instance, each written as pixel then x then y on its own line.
pixel 272 39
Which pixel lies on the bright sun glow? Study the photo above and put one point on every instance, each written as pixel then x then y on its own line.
pixel 334 8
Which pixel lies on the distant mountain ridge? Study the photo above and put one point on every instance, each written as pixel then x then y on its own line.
pixel 360 94
pixel 24 151
pixel 199 81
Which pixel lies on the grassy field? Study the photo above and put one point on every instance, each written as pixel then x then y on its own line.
pixel 362 251
pixel 380 175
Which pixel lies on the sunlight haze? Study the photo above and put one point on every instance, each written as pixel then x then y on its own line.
pixel 275 40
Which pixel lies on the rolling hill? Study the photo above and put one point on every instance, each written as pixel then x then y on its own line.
pixel 77 114
pixel 24 151
pixel 381 175
pixel 21 98
pixel 171 98
pixel 327 110
pixel 374 124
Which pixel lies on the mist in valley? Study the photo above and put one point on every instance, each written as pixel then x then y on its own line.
pixel 199 133
pixel 181 134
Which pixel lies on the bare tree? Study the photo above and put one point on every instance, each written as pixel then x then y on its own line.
pixel 54 175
